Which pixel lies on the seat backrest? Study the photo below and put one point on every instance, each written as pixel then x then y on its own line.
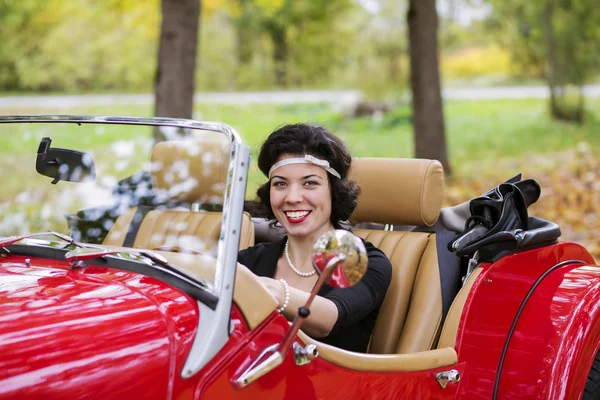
pixel 189 172
pixel 403 192
pixel 195 230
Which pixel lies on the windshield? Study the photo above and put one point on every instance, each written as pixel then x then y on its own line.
pixel 151 187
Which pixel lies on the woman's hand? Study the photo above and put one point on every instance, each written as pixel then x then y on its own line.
pixel 323 312
pixel 274 287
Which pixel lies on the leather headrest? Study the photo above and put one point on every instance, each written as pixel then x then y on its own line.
pixel 190 171
pixel 398 191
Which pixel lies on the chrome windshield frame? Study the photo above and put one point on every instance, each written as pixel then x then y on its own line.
pixel 213 329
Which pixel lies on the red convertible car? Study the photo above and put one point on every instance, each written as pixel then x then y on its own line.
pixel 119 280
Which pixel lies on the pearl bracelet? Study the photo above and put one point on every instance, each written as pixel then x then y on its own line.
pixel 286 301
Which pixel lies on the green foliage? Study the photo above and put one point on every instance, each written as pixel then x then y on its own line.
pixel 378 58
pixel 481 134
pixel 560 34
pixel 301 38
pixel 85 45
pixel 555 39
pixel 476 61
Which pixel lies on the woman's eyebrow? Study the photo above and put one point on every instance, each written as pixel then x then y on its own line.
pixel 312 176
pixel 279 176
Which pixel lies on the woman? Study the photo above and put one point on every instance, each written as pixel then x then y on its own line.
pixel 308 194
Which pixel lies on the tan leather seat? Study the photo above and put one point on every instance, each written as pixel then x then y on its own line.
pixel 188 172
pixel 403 192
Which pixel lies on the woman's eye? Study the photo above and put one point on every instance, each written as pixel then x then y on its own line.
pixel 278 184
pixel 311 183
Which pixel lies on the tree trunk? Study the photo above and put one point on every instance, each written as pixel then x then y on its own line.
pixel 551 64
pixel 280 53
pixel 581 106
pixel 174 85
pixel 428 114
pixel 243 34
pixel 244 45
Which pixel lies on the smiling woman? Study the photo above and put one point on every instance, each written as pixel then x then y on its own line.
pixel 308 194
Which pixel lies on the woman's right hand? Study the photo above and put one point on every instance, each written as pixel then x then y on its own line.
pixel 274 287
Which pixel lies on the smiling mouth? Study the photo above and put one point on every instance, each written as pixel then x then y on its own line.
pixel 296 217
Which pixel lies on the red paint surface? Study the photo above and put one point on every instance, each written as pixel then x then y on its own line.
pixel 557 332
pixel 114 334
pixel 319 379
pixel 489 312
pixel 94 331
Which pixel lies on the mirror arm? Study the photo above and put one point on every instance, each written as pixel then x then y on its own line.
pixel 304 311
pixel 343 248
pixel 273 356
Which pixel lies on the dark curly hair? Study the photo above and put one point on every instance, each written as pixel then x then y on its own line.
pixel 301 139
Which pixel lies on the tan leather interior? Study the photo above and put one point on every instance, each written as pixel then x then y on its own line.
pixel 423 322
pixel 256 303
pixel 116 235
pixel 410 316
pixel 190 171
pixel 450 329
pixel 403 191
pixel 187 171
pixel 398 191
pixel 197 231
pixel 383 362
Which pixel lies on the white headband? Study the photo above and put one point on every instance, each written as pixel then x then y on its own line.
pixel 307 159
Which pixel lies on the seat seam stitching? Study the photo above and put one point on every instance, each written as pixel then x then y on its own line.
pixel 412 290
pixel 422 194
pixel 437 326
pixel 155 221
pixel 401 329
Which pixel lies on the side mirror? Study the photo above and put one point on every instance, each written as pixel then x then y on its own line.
pixel 337 244
pixel 64 164
pixel 340 258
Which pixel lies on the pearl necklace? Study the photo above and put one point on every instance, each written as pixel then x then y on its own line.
pixel 296 271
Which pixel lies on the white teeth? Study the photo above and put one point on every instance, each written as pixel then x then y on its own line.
pixel 296 214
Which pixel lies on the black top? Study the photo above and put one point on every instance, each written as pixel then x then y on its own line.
pixel 357 306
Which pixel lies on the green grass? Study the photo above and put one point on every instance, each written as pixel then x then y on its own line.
pixel 19 139
pixel 478 132
pixel 487 141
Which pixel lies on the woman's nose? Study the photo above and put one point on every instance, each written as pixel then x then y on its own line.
pixel 294 194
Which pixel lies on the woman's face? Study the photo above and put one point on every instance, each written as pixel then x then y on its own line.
pixel 301 199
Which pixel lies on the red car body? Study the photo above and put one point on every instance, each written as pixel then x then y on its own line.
pixel 114 334
pixel 529 329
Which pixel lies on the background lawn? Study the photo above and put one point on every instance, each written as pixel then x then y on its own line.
pixel 480 134
pixel 488 142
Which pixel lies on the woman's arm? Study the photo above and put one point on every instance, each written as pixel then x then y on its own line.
pixel 357 302
pixel 323 312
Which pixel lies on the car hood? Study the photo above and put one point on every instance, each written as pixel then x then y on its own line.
pixel 99 330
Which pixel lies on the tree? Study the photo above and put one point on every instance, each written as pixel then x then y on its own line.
pixel 304 37
pixel 174 90
pixel 381 46
pixel 557 40
pixel 428 115
pixel 245 25
pixel 277 30
pixel 77 46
